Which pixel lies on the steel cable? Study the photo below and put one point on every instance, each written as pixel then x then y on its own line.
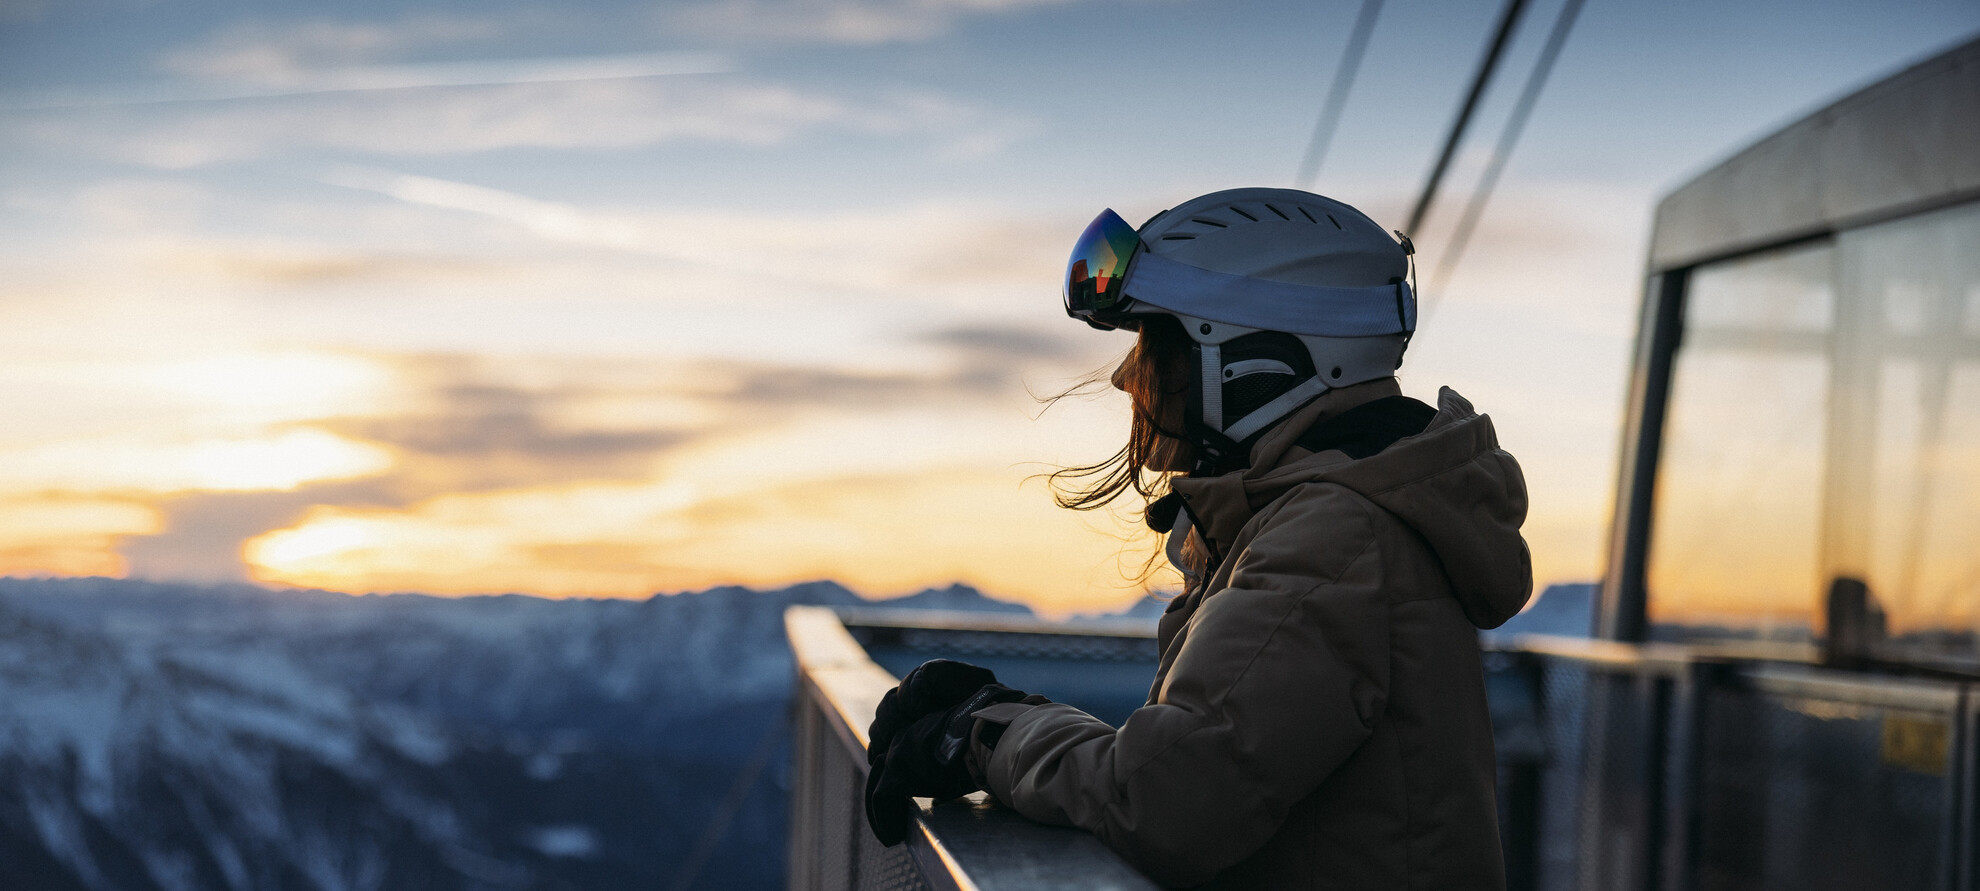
pixel 1529 96
pixel 1337 94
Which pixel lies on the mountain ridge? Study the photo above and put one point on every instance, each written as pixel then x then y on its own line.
pixel 156 735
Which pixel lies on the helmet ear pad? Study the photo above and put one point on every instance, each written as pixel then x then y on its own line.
pixel 1260 367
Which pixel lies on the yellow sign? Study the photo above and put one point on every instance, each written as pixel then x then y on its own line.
pixel 1917 742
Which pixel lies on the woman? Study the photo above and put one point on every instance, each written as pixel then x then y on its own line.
pixel 1318 716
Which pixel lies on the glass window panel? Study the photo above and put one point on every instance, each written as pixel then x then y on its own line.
pixel 1824 422
pixel 1925 507
pixel 1787 291
pixel 1737 511
pixel 1909 529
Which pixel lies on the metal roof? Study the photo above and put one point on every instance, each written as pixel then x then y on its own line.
pixel 1906 144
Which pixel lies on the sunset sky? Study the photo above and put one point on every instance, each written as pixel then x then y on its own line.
pixel 604 298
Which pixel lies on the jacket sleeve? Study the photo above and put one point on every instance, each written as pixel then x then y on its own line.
pixel 1279 680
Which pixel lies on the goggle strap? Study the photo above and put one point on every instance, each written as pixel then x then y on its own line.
pixel 1213 386
pixel 1270 305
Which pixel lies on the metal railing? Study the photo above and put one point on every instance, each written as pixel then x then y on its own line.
pixel 955 846
pixel 1659 767
pixel 1651 767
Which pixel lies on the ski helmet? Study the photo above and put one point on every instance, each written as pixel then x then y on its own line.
pixel 1285 293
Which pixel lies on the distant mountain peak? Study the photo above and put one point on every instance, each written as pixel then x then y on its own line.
pixel 956 596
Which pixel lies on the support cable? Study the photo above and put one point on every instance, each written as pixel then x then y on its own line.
pixel 1475 208
pixel 1337 94
pixel 1507 21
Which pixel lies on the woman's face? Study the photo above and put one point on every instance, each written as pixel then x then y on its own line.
pixel 1158 394
pixel 1122 373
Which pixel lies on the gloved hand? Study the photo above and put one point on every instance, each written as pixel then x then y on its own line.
pixel 932 686
pixel 926 759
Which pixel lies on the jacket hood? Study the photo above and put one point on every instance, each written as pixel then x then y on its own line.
pixel 1451 483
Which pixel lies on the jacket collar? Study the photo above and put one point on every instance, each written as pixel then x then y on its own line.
pixel 1221 506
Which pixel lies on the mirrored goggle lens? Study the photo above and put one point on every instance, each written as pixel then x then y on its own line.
pixel 1099 264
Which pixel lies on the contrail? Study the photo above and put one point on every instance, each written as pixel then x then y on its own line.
pixel 549 219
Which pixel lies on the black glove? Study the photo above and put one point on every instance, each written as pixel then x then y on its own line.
pixel 933 686
pixel 927 759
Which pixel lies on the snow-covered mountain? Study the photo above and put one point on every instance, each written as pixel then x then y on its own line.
pixel 1567 610
pixel 159 736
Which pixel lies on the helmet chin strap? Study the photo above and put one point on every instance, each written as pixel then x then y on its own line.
pixel 1278 408
pixel 1211 376
pixel 1220 450
pixel 1216 454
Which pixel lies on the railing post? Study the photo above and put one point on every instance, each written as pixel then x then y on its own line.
pixel 1685 742
pixel 801 864
pixel 1520 833
pixel 1966 831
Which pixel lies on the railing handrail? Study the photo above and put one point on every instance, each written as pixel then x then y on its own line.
pixel 838 669
pixel 971 844
pixel 1656 658
pixel 966 620
pixel 1775 667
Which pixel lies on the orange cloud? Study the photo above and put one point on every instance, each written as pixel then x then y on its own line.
pixel 68 534
pixel 880 534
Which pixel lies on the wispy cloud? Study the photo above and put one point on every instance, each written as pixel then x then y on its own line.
pixel 68 533
pixel 201 535
pixel 268 50
pixel 266 60
pixel 1004 343
pixel 469 426
pixel 419 123
pixel 279 83
pixel 428 86
pixel 857 22
pixel 305 266
pixel 638 539
pixel 930 251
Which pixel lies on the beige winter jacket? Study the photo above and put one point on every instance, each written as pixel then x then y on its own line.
pixel 1318 718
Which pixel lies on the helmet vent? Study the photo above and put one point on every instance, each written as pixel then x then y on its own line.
pixel 1177 237
pixel 1281 213
pixel 1337 223
pixel 1249 367
pixel 1308 216
pixel 1240 212
pixel 1209 222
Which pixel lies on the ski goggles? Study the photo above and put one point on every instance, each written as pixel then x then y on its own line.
pixel 1099 268
pixel 1110 251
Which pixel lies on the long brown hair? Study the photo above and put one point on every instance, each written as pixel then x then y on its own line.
pixel 1156 375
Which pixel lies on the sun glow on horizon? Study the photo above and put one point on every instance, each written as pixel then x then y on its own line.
pixel 880 536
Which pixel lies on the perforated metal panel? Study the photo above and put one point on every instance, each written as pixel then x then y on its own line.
pixel 1822 792
pixel 1564 701
pixel 832 848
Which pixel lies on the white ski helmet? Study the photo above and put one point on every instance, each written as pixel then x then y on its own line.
pixel 1287 294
